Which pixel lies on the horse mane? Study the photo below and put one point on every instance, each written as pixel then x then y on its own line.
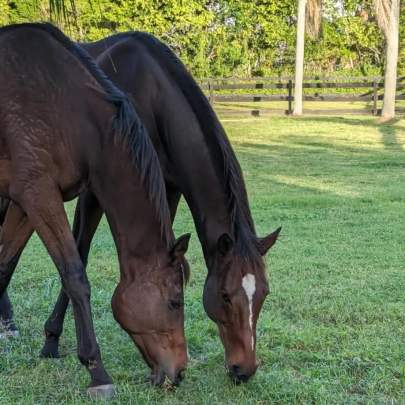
pixel 128 127
pixel 227 166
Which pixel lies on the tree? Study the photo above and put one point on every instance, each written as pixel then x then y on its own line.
pixel 387 14
pixel 230 38
pixel 309 18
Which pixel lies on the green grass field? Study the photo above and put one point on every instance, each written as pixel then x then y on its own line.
pixel 310 107
pixel 333 328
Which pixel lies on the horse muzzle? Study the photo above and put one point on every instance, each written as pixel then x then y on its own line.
pixel 240 374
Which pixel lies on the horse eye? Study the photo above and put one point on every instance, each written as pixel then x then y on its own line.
pixel 175 304
pixel 226 298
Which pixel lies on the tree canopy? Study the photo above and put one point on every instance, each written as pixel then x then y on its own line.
pixel 231 37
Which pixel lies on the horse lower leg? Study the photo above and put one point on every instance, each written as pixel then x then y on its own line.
pixel 54 327
pixel 77 287
pixel 6 309
pixel 7 326
pixel 87 217
pixel 15 233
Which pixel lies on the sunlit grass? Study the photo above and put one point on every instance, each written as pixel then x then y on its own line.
pixel 278 107
pixel 333 328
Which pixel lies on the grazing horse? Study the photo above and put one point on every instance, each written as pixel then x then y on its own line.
pixel 199 163
pixel 64 128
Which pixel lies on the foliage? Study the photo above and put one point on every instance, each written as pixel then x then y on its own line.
pixel 401 56
pixel 231 37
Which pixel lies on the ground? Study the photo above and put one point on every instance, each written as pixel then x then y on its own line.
pixel 333 328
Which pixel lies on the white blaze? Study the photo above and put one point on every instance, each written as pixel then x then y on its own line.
pixel 249 285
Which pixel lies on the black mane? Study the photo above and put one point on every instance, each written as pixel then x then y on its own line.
pixel 127 125
pixel 227 167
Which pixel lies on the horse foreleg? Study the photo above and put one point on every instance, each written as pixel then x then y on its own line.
pixel 48 217
pixel 87 217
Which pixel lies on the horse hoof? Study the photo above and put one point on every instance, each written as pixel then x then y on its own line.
pixel 48 354
pixel 50 350
pixel 105 391
pixel 9 334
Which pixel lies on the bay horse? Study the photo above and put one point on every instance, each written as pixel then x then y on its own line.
pixel 199 163
pixel 65 127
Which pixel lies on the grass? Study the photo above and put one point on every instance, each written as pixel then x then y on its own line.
pixel 333 329
pixel 310 107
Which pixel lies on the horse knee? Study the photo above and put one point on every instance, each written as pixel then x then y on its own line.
pixel 53 327
pixel 76 284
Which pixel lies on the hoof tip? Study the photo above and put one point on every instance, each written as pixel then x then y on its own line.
pixel 105 391
pixel 49 355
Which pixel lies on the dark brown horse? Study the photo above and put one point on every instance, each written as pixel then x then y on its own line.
pixel 64 128
pixel 198 162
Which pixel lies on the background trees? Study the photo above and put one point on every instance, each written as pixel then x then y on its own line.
pixel 232 37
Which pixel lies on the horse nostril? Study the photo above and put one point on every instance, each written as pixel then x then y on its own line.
pixel 238 375
pixel 179 377
pixel 243 377
pixel 235 369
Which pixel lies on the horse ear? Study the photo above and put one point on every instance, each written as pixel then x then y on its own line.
pixel 180 246
pixel 264 244
pixel 225 244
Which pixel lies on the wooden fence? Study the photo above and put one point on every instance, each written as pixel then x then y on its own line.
pixel 227 92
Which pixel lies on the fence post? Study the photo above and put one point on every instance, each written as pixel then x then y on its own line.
pixel 375 97
pixel 289 86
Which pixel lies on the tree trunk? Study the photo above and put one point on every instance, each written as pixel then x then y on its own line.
pixel 390 79
pixel 299 58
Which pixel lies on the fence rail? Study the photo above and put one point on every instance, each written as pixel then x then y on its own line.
pixel 224 91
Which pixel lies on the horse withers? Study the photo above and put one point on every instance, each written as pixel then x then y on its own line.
pixel 64 127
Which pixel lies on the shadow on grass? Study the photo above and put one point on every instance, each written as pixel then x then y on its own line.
pixel 324 184
pixel 302 145
pixel 299 189
pixel 388 131
pixel 389 137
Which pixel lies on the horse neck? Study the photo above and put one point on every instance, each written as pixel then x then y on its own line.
pixel 186 159
pixel 131 215
pixel 197 177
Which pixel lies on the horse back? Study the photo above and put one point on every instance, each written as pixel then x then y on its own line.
pixel 50 106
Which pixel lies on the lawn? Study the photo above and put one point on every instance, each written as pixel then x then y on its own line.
pixel 310 107
pixel 333 328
